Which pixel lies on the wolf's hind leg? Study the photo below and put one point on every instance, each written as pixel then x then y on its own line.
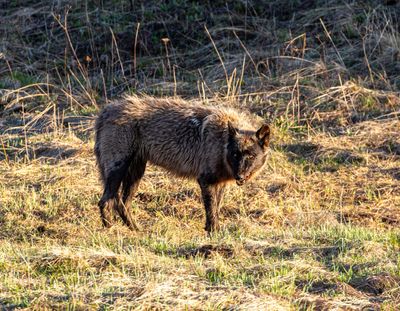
pixel 110 199
pixel 130 184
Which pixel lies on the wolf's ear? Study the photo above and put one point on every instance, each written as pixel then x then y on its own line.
pixel 263 135
pixel 231 129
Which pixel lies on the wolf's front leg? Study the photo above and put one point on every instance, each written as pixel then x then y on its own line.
pixel 212 194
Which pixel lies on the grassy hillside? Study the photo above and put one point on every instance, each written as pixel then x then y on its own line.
pixel 317 230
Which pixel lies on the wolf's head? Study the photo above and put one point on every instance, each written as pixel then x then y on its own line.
pixel 246 152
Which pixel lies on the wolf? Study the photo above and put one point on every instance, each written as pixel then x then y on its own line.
pixel 213 145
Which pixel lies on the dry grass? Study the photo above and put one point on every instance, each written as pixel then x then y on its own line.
pixel 318 230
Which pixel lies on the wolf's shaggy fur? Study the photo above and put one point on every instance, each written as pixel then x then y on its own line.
pixel 212 145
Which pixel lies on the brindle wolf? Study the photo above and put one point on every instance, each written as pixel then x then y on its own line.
pixel 212 145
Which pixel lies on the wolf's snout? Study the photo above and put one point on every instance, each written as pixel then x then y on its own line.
pixel 240 181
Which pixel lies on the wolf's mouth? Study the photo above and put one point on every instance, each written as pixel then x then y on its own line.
pixel 240 181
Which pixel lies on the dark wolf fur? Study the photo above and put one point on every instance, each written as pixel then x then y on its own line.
pixel 212 145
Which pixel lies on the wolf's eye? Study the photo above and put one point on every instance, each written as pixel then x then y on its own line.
pixel 236 155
